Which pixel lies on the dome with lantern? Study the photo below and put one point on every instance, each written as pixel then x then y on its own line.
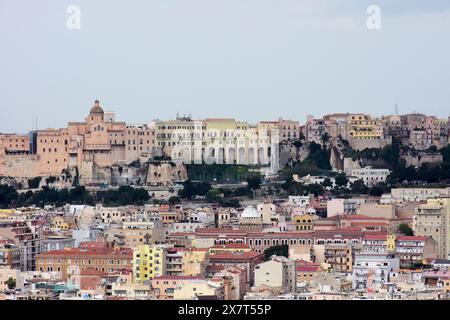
pixel 96 109
pixel 250 212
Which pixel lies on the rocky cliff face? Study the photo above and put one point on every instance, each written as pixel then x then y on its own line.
pixel 165 172
pixel 339 162
pixel 152 173
pixel 289 152
pixel 65 180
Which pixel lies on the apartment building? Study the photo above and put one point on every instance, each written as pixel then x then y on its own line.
pixel 194 261
pixel 372 270
pixel 337 207
pixel 279 274
pixel 71 261
pixel 413 250
pixel 148 262
pixel 28 236
pixel 134 233
pixel 56 242
pixel 370 176
pixel 418 194
pixel 9 254
pixel 433 219
pixel 163 287
pixel 186 288
pixel 339 256
pixel 314 129
pixel 139 142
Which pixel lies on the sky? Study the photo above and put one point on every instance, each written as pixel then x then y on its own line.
pixel 247 59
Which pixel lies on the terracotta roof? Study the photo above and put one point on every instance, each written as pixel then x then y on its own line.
pixel 180 234
pixel 375 236
pixel 412 238
pixel 360 217
pixel 178 278
pixel 218 230
pixel 438 273
pixel 232 246
pixel 215 267
pixel 127 252
pixel 362 223
pixel 235 256
pixel 304 268
pixel 91 272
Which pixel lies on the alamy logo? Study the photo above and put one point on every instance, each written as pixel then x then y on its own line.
pixel 374 19
pixel 74 19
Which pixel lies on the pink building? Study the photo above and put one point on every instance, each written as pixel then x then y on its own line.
pixel 98 141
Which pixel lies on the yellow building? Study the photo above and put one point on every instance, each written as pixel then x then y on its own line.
pixel 194 262
pixel 148 262
pixel 304 222
pixel 433 220
pixel 195 288
pixel 364 127
pixel 390 242
pixel 230 248
pixel 5 214
pixel 446 285
pixel 59 224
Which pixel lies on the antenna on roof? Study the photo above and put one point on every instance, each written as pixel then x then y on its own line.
pixel 396 106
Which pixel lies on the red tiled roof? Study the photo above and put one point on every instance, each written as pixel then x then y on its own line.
pixel 231 246
pixel 360 217
pixel 180 234
pixel 304 268
pixel 412 238
pixel 363 223
pixel 375 236
pixel 218 230
pixel 115 298
pixel 179 278
pixel 438 273
pixel 215 267
pixel 127 252
pixel 235 256
pixel 91 272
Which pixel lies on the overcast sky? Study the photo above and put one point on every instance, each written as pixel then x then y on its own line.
pixel 248 59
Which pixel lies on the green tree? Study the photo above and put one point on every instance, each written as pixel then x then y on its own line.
pixel 315 188
pixel 319 156
pixel 378 189
pixel 325 137
pixel 281 250
pixel 8 195
pixel 405 229
pixel 11 283
pixel 391 153
pixel 229 203
pixel 326 183
pixel 192 189
pixel 341 180
pixel 297 144
pixel 174 200
pixel 34 182
pixel 213 196
pixel 446 153
pixel 254 182
pixel 359 187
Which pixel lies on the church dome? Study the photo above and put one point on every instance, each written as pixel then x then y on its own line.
pixel 96 109
pixel 250 212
